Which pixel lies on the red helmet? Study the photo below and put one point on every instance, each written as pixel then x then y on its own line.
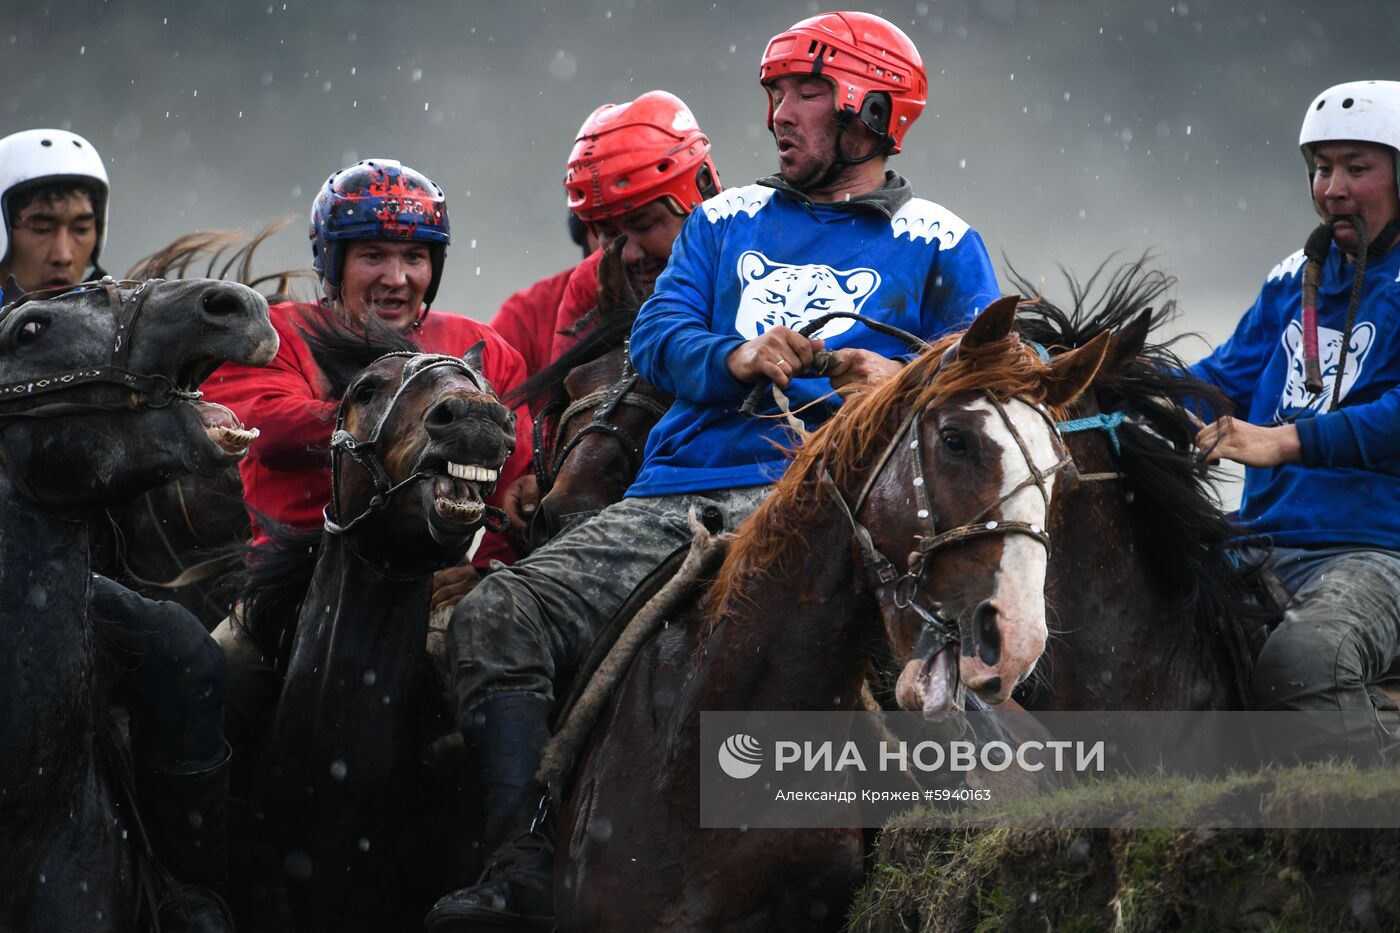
pixel 629 154
pixel 878 74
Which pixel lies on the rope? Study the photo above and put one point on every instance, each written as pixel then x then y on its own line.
pixel 1108 423
pixel 1356 284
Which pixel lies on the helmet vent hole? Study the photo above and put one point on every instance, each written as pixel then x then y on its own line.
pixel 46 142
pixel 812 49
pixel 663 165
pixel 1321 102
pixel 1346 104
pixel 622 183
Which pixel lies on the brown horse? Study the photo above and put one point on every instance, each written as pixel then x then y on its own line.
pixel 357 833
pixel 955 462
pixel 179 540
pixel 591 430
pixel 1150 611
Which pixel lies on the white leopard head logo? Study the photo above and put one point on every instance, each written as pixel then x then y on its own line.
pixel 776 294
pixel 1329 347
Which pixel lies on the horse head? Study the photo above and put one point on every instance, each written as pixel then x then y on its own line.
pixel 961 499
pixel 99 399
pixel 601 412
pixel 420 439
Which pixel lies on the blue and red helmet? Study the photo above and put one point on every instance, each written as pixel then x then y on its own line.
pixel 378 199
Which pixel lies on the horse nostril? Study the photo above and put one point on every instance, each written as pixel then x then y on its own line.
pixel 992 686
pixel 221 300
pixel 986 633
pixel 441 414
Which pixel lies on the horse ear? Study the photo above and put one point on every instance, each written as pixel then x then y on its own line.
pixel 473 355
pixel 1126 345
pixel 12 288
pixel 614 288
pixel 994 323
pixel 1072 372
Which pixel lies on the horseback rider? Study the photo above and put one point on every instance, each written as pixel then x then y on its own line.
pixel 53 197
pixel 379 237
pixel 637 170
pixel 169 674
pixel 831 231
pixel 1314 371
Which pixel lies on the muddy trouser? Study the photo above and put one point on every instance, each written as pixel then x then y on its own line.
pixel 1340 632
pixel 168 673
pixel 526 628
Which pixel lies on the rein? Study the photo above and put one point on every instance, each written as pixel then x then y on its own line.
pixel 603 403
pixel 364 452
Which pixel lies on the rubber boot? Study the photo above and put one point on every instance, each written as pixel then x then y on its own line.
pixel 186 819
pixel 505 738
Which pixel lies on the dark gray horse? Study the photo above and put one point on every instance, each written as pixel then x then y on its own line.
pixel 96 406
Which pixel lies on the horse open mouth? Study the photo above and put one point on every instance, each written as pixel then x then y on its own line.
pixel 930 684
pixel 457 494
pixel 223 428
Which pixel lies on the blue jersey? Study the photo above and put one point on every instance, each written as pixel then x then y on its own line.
pixel 1346 490
pixel 754 258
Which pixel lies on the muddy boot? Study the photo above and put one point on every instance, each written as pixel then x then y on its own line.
pixel 505 738
pixel 186 818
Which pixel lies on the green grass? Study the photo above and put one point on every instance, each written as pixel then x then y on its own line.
pixel 972 873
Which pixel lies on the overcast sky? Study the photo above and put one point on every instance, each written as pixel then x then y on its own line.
pixel 1062 131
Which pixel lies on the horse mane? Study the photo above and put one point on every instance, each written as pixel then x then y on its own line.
pixel 175 260
pixel 602 330
pixel 1182 530
pixel 275 583
pixel 846 446
pixel 342 349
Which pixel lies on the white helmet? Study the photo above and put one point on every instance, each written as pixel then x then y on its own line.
pixel 40 155
pixel 1365 111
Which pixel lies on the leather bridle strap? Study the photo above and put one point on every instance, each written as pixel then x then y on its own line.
pixel 364 452
pixel 603 403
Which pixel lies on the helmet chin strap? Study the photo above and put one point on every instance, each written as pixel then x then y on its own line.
pixel 840 163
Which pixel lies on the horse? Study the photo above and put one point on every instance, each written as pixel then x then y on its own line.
pixel 179 541
pixel 583 465
pixel 1152 612
pixel 97 404
pixel 954 462
pixel 357 833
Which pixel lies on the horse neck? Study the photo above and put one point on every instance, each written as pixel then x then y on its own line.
pixel 357 630
pixel 796 637
pixel 1119 641
pixel 46 656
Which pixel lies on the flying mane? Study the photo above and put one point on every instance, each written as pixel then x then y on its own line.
pixel 1181 528
pixel 847 445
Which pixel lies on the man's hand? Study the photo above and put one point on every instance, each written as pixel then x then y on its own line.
pixel 519 502
pixel 452 583
pixel 778 355
pixel 1250 444
pixel 861 368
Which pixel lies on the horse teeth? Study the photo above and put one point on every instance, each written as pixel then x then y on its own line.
pixel 471 472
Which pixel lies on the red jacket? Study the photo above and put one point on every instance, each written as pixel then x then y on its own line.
pixel 286 474
pixel 526 319
pixel 580 297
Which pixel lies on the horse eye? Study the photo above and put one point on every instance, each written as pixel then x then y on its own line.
pixel 363 393
pixel 954 441
pixel 29 331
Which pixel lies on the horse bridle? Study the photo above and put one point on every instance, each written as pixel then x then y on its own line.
pixel 602 403
pixel 29 399
pixel 147 390
pixel 881 573
pixel 364 452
